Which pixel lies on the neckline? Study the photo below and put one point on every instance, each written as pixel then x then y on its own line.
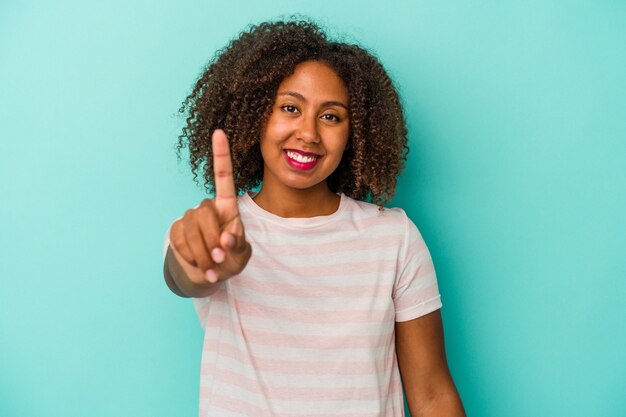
pixel 301 222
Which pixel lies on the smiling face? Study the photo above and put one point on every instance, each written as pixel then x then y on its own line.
pixel 307 131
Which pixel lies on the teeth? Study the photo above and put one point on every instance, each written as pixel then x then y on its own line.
pixel 300 158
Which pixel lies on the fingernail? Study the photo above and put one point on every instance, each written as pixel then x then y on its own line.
pixel 218 255
pixel 230 241
pixel 211 276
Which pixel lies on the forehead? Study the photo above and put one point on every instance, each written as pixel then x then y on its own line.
pixel 315 80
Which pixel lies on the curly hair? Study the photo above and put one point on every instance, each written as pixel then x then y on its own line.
pixel 237 90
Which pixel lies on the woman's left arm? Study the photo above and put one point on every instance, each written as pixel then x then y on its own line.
pixel 428 385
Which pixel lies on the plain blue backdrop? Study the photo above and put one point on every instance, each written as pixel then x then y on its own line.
pixel 516 178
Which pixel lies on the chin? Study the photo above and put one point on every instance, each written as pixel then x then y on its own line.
pixel 299 184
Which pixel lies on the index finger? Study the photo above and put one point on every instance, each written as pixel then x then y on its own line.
pixel 225 195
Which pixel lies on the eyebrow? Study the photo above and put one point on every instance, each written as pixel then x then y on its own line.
pixel 301 97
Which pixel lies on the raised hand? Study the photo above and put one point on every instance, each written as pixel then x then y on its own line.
pixel 209 240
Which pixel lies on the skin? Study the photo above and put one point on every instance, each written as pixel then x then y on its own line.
pixel 428 385
pixel 208 244
pixel 310 114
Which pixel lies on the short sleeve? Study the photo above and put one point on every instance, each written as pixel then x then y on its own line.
pixel 416 292
pixel 166 241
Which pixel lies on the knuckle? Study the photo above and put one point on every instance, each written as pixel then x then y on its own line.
pixel 204 210
pixel 179 244
pixel 176 230
pixel 222 173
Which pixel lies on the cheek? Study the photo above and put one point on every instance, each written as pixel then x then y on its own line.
pixel 268 152
pixel 271 135
pixel 340 143
pixel 277 126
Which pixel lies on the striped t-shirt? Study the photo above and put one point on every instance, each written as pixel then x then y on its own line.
pixel 307 329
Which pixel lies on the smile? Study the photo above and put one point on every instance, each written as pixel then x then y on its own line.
pixel 302 161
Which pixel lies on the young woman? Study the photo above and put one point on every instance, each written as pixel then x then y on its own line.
pixel 315 300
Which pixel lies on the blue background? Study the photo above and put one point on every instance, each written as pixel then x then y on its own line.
pixel 516 178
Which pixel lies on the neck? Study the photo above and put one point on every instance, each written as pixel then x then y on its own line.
pixel 289 202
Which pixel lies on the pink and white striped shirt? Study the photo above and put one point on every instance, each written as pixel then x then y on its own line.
pixel 307 329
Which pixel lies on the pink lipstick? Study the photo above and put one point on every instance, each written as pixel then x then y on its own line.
pixel 300 160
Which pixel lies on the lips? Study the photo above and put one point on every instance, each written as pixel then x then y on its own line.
pixel 300 160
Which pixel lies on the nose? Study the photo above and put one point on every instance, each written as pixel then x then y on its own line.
pixel 307 130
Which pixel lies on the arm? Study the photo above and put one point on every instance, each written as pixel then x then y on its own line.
pixel 428 385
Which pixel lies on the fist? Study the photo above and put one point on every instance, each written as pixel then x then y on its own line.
pixel 209 240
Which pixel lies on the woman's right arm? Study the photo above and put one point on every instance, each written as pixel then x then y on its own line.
pixel 208 244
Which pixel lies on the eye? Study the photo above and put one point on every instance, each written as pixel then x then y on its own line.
pixel 289 108
pixel 331 117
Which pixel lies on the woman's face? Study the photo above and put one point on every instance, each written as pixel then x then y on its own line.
pixel 307 131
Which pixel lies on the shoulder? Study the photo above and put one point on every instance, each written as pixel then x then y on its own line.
pixel 386 215
pixel 392 221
